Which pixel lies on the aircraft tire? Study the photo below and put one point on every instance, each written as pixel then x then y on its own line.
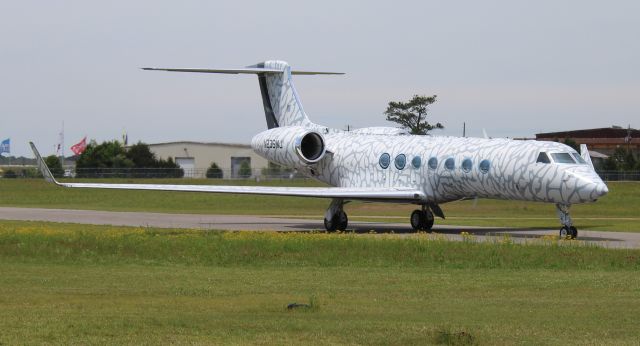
pixel 573 232
pixel 564 232
pixel 342 220
pixel 417 220
pixel 429 219
pixel 330 225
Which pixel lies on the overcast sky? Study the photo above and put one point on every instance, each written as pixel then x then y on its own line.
pixel 515 68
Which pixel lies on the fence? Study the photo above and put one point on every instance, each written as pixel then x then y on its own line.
pixel 619 175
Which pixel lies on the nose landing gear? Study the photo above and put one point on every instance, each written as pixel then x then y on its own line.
pixel 568 231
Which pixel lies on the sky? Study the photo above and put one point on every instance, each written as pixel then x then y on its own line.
pixel 514 68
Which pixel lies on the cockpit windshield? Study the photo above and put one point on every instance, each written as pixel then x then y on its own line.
pixel 543 158
pixel 562 158
pixel 579 158
pixel 570 158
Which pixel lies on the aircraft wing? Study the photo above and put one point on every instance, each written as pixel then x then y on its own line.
pixel 399 194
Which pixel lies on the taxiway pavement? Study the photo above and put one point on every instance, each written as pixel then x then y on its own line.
pixel 266 223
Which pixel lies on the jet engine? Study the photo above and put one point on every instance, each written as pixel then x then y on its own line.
pixel 291 146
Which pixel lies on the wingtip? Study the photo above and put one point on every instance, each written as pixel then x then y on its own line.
pixel 42 166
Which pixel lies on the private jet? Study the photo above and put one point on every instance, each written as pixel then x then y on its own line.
pixel 384 164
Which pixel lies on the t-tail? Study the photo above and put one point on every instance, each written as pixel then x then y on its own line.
pixel 282 106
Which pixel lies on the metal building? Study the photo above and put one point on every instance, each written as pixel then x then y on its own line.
pixel 196 157
pixel 603 140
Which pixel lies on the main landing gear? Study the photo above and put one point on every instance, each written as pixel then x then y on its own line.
pixel 567 231
pixel 422 220
pixel 335 218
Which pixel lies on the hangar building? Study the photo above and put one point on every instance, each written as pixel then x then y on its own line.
pixel 196 157
pixel 602 140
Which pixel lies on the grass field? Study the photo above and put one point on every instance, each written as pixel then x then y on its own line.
pixel 618 211
pixel 77 284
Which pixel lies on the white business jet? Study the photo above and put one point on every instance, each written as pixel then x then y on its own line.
pixel 384 164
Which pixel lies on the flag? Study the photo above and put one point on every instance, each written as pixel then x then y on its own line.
pixel 80 146
pixel 5 146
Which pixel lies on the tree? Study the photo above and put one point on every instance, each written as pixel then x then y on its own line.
pixel 624 159
pixel 106 155
pixel 55 166
pixel 412 115
pixel 10 174
pixel 572 143
pixel 214 171
pixel 629 161
pixel 610 164
pixel 141 156
pixel 245 170
pixel 112 157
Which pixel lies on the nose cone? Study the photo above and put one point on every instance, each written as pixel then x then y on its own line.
pixel 601 189
pixel 583 185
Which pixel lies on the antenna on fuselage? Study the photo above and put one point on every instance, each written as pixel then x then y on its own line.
pixel 464 129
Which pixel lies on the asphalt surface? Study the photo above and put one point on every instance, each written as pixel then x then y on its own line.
pixel 265 223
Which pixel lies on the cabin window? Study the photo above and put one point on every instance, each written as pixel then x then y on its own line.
pixel 384 161
pixel 400 161
pixel 433 163
pixel 562 158
pixel 467 165
pixel 543 158
pixel 416 162
pixel 579 158
pixel 484 166
pixel 449 164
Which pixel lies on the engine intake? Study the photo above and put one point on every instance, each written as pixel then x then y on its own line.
pixel 310 147
pixel 291 146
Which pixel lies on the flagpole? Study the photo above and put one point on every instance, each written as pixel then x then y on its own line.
pixel 62 144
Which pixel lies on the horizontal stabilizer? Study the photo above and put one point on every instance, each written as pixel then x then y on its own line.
pixel 246 70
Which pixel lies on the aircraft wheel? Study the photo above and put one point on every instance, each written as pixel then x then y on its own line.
pixel 564 232
pixel 330 225
pixel 428 221
pixel 573 232
pixel 342 220
pixel 417 220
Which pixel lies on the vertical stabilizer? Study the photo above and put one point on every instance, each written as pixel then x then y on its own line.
pixel 282 106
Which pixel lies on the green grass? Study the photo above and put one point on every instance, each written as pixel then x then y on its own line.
pixel 76 284
pixel 618 211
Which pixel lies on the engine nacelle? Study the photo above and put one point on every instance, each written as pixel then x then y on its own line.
pixel 290 146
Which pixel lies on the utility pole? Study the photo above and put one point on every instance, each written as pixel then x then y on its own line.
pixel 628 139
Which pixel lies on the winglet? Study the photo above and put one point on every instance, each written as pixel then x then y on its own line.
pixel 42 166
pixel 584 152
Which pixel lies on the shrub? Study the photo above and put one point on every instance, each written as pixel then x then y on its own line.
pixel 214 171
pixel 55 166
pixel 245 170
